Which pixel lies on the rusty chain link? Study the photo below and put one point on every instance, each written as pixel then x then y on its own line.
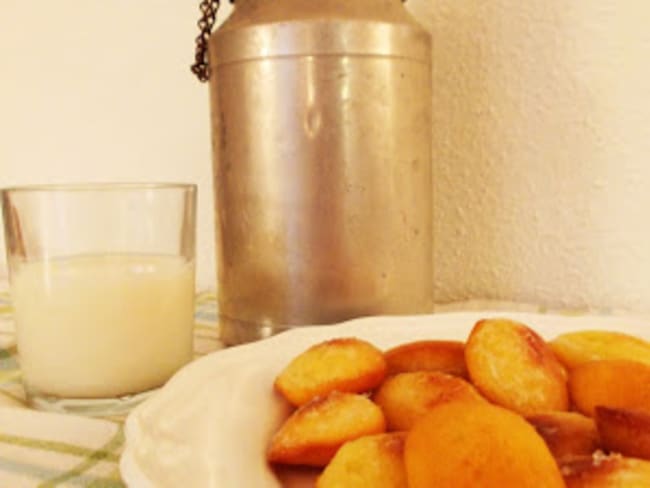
pixel 201 67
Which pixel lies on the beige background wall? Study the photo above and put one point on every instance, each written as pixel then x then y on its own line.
pixel 95 90
pixel 542 150
pixel 541 131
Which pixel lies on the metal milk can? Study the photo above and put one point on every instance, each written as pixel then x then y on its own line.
pixel 321 133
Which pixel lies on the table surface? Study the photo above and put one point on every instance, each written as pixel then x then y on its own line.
pixel 39 449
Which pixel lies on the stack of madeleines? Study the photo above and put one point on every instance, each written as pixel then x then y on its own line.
pixel 504 409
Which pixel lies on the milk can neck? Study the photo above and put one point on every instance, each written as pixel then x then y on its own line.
pixel 248 3
pixel 325 5
pixel 271 28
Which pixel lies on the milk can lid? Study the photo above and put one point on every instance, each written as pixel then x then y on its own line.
pixel 274 28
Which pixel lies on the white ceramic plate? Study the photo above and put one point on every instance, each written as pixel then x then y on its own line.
pixel 210 425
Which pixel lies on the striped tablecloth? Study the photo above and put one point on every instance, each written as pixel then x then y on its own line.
pixel 40 449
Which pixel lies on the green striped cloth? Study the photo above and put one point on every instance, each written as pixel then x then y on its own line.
pixel 40 449
pixel 45 450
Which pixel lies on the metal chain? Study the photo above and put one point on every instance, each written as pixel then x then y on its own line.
pixel 201 67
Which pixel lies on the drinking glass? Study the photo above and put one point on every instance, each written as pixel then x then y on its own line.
pixel 102 285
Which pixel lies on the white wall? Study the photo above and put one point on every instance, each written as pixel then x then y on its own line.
pixel 542 151
pixel 101 91
pixel 541 131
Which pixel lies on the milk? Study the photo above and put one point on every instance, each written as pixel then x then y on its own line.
pixel 103 325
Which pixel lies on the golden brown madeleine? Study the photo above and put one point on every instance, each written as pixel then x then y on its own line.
pixel 575 348
pixel 567 434
pixel 375 461
pixel 624 430
pixel 610 383
pixel 513 367
pixel 313 434
pixel 602 471
pixel 471 444
pixel 345 364
pixel 444 356
pixel 405 398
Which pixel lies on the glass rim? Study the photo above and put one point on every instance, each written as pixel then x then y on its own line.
pixel 99 186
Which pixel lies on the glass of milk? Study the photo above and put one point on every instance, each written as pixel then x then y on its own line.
pixel 102 284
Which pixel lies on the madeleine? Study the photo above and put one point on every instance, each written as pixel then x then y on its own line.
pixel 513 367
pixel 567 434
pixel 470 444
pixel 407 397
pixel 315 431
pixel 443 356
pixel 375 461
pixel 346 364
pixel 610 383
